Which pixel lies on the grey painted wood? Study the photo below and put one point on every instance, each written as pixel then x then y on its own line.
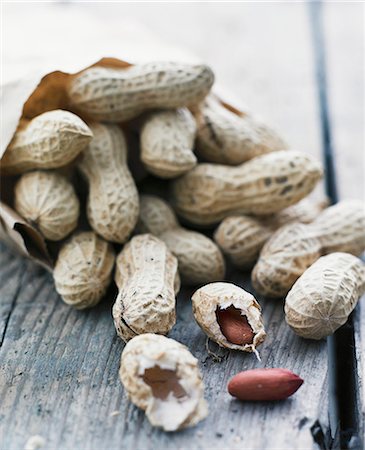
pixel 59 377
pixel 345 73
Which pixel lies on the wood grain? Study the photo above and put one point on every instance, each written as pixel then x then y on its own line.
pixel 59 377
pixel 345 76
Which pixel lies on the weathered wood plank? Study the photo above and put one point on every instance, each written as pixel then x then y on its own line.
pixel 345 75
pixel 12 282
pixel 59 379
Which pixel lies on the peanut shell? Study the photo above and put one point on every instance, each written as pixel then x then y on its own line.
pixel 48 201
pixel 83 270
pixel 226 137
pixel 325 295
pixel 341 228
pixel 293 248
pixel 147 279
pixel 116 95
pixel 167 140
pixel 284 257
pixel 112 206
pixel 199 259
pixel 261 186
pixel 220 296
pixel 51 140
pixel 241 238
pixel 162 377
pixel 306 211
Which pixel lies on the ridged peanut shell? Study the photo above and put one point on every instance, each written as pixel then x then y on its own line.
pixel 221 295
pixel 226 137
pixel 283 259
pixel 182 404
pixel 325 295
pixel 155 215
pixel 261 186
pixel 112 205
pixel 147 279
pixel 116 95
pixel 167 140
pixel 341 228
pixel 48 201
pixel 306 211
pixel 199 259
pixel 292 249
pixel 83 270
pixel 241 238
pixel 51 140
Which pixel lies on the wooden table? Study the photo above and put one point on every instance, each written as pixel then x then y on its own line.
pixel 59 367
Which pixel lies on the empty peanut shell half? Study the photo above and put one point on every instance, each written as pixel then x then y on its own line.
pixel 162 377
pixel 229 315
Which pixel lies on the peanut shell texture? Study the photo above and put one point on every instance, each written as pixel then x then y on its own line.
pixel 229 315
pixel 117 95
pixel 147 279
pixel 48 201
pixel 162 377
pixel 83 270
pixel 322 299
pixel 51 140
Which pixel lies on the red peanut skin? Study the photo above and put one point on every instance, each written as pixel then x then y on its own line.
pixel 264 384
pixel 234 326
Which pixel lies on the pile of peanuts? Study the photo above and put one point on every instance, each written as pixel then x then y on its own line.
pixel 223 169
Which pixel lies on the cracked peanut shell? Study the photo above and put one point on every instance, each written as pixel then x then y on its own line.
pixel 163 378
pixel 224 310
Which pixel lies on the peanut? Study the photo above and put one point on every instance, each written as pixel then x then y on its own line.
pixel 234 326
pixel 241 238
pixel 167 139
pixel 227 136
pixel 112 207
pixel 306 211
pixel 51 140
pixel 293 248
pixel 199 259
pixel 83 270
pixel 48 201
pixel 116 95
pixel 264 185
pixel 264 384
pixel 147 279
pixel 324 296
pixel 229 315
pixel 162 377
